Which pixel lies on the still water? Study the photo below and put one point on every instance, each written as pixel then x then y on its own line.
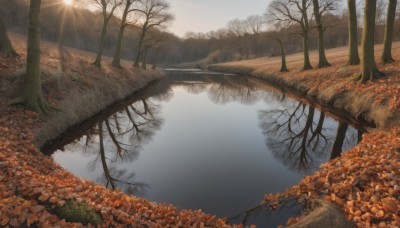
pixel 206 141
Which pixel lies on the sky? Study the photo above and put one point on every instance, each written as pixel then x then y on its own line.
pixel 207 15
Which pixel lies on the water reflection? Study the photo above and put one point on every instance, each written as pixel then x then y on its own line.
pixel 266 216
pixel 118 140
pixel 297 136
pixel 208 141
pixel 234 89
pixel 221 89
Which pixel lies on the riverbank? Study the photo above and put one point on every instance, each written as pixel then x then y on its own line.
pixel 34 190
pixel 365 181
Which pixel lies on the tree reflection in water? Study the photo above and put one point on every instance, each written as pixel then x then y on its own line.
pixel 135 124
pixel 296 135
pixel 178 164
pixel 300 140
pixel 227 89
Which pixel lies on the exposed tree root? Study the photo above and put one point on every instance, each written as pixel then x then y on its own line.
pixel 97 63
pixel 387 60
pixel 374 73
pixel 284 69
pixel 324 64
pixel 38 105
pixel 307 68
pixel 9 53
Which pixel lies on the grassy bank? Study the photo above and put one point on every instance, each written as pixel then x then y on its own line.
pixel 375 102
pixel 365 181
pixel 34 190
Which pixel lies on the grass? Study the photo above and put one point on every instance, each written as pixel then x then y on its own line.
pixel 374 101
pixel 369 163
pixel 80 91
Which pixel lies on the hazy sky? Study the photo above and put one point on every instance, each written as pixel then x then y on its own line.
pixel 207 15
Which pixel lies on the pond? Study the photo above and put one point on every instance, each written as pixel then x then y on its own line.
pixel 205 141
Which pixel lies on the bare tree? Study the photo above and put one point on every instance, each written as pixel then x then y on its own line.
pixel 237 30
pixel 387 48
pixel 157 50
pixel 381 5
pixel 6 47
pixel 128 8
pixel 31 95
pixel 277 36
pixel 152 41
pixel 155 14
pixel 368 68
pixel 255 24
pixel 322 7
pixel 354 58
pixel 236 27
pixel 287 12
pixel 107 9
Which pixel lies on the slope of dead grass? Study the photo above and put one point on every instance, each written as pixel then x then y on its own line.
pixel 33 185
pixel 376 102
pixel 365 181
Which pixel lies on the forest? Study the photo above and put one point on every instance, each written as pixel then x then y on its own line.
pixel 109 119
pixel 241 38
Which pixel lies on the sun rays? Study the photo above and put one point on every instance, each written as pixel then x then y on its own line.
pixel 68 2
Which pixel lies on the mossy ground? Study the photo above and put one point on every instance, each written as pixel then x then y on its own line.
pixel 78 212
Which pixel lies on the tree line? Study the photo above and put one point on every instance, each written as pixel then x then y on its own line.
pixel 82 25
pixel 322 23
pixel 283 13
pixel 134 29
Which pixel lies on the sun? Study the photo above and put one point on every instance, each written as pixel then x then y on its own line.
pixel 68 2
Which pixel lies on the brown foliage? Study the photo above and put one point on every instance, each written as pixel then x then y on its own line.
pixel 32 185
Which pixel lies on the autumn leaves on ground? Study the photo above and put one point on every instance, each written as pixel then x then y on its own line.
pixel 33 188
pixel 365 181
pixel 34 191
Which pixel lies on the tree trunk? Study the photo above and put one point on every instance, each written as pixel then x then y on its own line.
pixel 387 48
pixel 6 47
pixel 117 55
pixel 139 51
pixel 359 136
pixel 308 126
pixel 144 60
pixel 338 144
pixel 305 27
pixel 116 62
pixel 283 56
pixel 307 64
pixel 155 59
pixel 107 176
pixel 322 61
pixel 368 69
pixel 97 62
pixel 354 58
pixel 32 96
pixel 60 45
pixel 246 48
